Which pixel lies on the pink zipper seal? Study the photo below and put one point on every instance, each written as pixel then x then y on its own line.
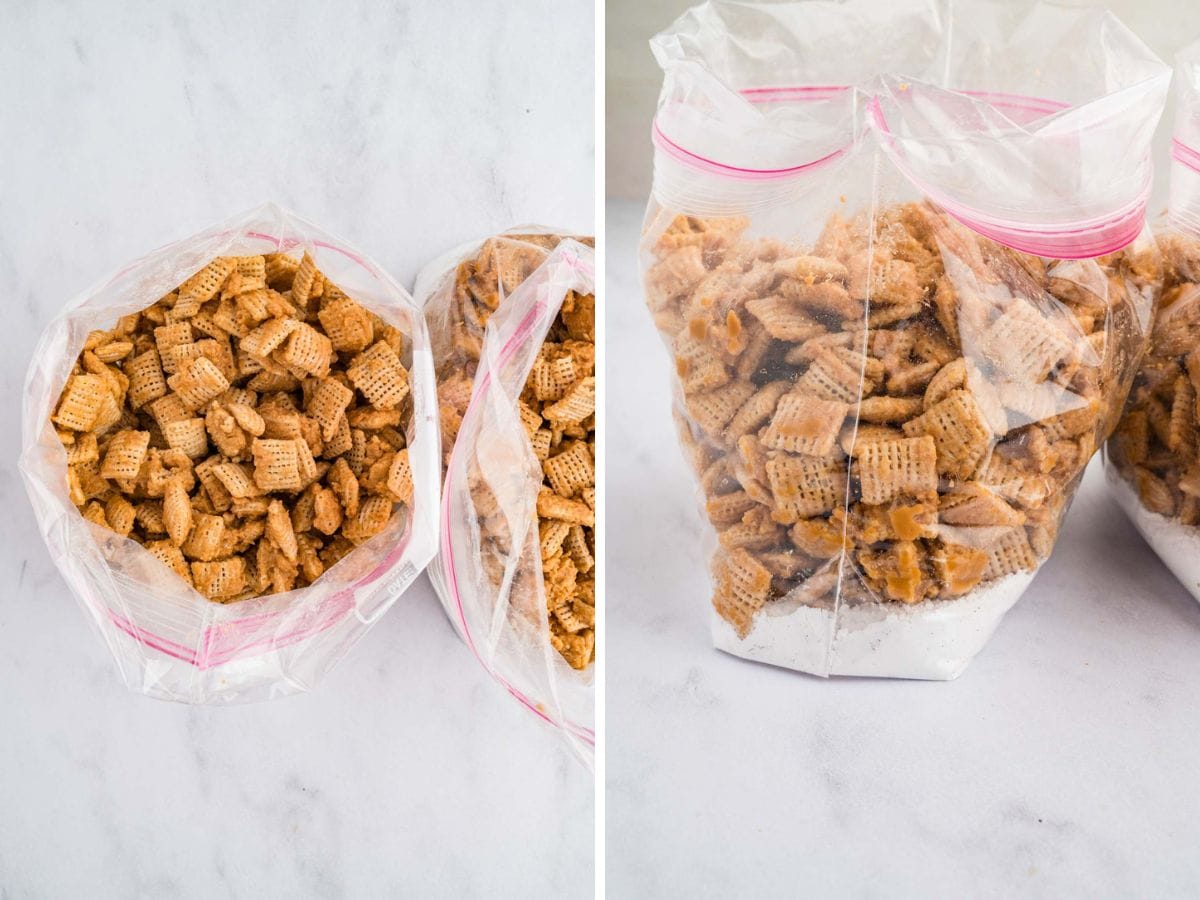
pixel 1187 156
pixel 1084 239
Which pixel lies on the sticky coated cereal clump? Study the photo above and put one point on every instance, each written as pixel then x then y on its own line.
pixel 247 428
pixel 558 413
pixel 896 412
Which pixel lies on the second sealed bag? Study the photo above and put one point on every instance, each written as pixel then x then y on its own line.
pixel 513 330
pixel 900 262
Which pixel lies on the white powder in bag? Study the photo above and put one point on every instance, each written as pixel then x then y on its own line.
pixel 935 639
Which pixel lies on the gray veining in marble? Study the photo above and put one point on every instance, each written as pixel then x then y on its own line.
pixel 1061 764
pixel 407 128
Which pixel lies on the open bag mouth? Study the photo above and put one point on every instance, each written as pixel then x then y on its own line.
pixel 269 644
pixel 1045 163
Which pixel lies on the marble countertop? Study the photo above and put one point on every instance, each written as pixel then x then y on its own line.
pixel 406 128
pixel 1062 763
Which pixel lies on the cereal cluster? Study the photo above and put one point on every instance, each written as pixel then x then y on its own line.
pixel 247 428
pixel 896 413
pixel 557 409
pixel 1157 444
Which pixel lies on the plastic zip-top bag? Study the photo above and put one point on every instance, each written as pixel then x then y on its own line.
pixel 512 321
pixel 898 256
pixel 168 640
pixel 1153 460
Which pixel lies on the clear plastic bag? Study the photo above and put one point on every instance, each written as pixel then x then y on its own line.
pixel 899 258
pixel 1153 460
pixel 489 569
pixel 168 641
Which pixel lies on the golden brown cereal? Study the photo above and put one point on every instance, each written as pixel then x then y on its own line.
pixel 222 579
pixel 188 435
pixel 569 472
pixel 899 411
pixel 276 465
pixel 1155 447
pixel 805 424
pixel 327 405
pixel 79 406
pixel 248 441
pixel 379 376
pixel 125 454
pixel 906 467
pixel 557 411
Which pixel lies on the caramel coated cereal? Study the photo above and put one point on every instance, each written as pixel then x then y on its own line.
pixel 899 410
pixel 557 410
pixel 214 428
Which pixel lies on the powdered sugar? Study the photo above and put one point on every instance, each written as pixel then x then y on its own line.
pixel 933 640
pixel 1176 544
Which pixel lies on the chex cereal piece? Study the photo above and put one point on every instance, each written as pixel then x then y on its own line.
pixel 829 376
pixel 805 424
pixel 551 535
pixel 237 479
pixel 207 535
pixel 177 511
pixel 268 336
pixel 125 454
pixel 327 404
pixel 167 337
pixel 1025 345
pixel 959 568
pixel 170 556
pixel 573 512
pixel 696 362
pixel 553 378
pixel 308 350
pixel 304 279
pixel 146 379
pixel 205 284
pixel 742 588
pixel 713 410
pixel 726 509
pixel 279 530
pixel 1009 553
pixel 276 465
pixel 897 468
pixel 803 487
pixel 380 376
pixel 188 435
pixel 571 471
pixel 400 477
pixel 347 324
pixel 974 504
pixel 823 296
pixel 120 515
pixel 80 404
pixel 221 579
pixel 84 450
pixel 372 517
pixel 576 546
pixel 882 410
pixel 199 382
pixel 959 430
pixel 112 351
pixel 756 411
pixel 577 403
pixel 784 319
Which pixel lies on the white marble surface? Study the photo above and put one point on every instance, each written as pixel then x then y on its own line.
pixel 406 128
pixel 1061 764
